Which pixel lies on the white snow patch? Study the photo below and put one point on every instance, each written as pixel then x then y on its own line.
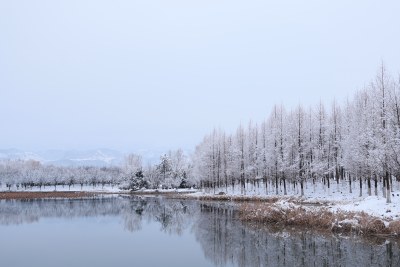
pixel 337 198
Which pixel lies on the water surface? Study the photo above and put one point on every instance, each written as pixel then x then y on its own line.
pixel 133 231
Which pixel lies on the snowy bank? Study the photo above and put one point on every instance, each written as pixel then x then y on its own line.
pixel 337 198
pixel 107 189
pixel 64 188
pixel 336 209
pixel 290 214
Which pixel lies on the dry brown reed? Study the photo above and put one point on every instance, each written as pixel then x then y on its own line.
pixel 319 218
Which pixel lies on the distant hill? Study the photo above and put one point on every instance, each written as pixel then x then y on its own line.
pixel 95 157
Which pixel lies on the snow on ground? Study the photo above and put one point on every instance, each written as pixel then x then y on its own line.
pixel 173 190
pixel 84 188
pixel 373 205
pixel 90 188
pixel 336 198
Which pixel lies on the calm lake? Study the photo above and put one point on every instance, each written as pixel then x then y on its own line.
pixel 136 231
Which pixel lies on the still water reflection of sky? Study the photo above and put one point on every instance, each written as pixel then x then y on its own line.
pixel 99 240
pixel 124 231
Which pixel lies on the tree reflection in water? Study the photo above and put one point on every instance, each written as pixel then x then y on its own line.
pixel 223 238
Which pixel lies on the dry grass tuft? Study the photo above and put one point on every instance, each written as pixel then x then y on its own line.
pixel 394 228
pixel 317 219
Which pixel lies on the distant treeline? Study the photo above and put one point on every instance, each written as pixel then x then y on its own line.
pixel 171 172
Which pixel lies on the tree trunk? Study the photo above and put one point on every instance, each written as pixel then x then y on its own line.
pixel 388 199
pixel 369 185
pixel 350 190
pixel 284 185
pixel 302 186
pixel 384 187
pixel 329 183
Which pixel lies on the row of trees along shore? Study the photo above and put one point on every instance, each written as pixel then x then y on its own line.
pixel 357 141
pixel 171 171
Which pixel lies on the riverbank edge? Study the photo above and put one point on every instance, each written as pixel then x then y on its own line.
pixel 16 195
pixel 284 214
pixel 300 213
pixel 9 195
pixel 279 212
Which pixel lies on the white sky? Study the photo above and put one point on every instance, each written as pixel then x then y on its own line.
pixel 152 74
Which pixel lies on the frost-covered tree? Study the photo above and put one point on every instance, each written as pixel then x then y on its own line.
pixel 133 171
pixel 358 140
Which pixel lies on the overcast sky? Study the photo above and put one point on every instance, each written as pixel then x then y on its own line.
pixel 153 74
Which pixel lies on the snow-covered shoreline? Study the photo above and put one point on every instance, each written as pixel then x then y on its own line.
pixel 338 197
pixel 372 205
pixel 334 209
pixel 95 189
pixel 336 201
